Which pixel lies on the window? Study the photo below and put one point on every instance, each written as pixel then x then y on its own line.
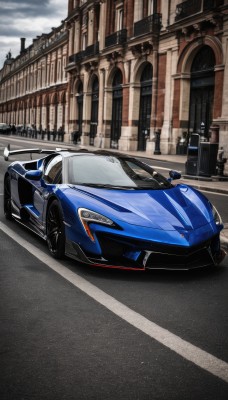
pixel 150 7
pixel 53 170
pixel 84 41
pixel 52 73
pixel 43 75
pixel 64 71
pixel 111 171
pixel 39 78
pixel 119 19
pixel 59 73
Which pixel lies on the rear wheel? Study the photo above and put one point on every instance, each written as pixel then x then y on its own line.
pixel 55 230
pixel 7 199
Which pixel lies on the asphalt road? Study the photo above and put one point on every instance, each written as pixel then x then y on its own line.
pixel 73 332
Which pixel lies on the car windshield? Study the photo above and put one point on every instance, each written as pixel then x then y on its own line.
pixel 114 172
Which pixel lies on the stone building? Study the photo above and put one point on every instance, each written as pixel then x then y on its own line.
pixel 33 86
pixel 137 70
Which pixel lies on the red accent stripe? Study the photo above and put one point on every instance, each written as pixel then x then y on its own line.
pixel 117 267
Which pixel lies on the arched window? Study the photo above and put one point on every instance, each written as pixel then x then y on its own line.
pixel 202 91
pixel 116 109
pixel 94 111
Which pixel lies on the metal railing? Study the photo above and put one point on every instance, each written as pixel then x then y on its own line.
pixel 118 37
pixel 91 50
pixel 191 7
pixel 77 57
pixel 209 4
pixel 152 23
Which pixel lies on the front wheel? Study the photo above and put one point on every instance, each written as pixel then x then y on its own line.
pixel 7 199
pixel 55 230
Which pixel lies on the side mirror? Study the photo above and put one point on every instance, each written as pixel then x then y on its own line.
pixel 174 175
pixel 33 175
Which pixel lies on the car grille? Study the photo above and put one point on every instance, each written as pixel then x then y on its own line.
pixel 197 259
pixel 156 255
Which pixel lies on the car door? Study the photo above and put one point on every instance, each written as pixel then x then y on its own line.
pixel 38 191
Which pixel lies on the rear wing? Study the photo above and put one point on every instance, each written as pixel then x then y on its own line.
pixel 8 152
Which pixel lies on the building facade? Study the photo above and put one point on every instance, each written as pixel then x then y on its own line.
pixel 135 71
pixel 33 86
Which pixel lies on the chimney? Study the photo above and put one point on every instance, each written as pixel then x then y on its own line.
pixel 22 45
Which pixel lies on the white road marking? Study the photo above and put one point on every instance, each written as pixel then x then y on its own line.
pixel 199 357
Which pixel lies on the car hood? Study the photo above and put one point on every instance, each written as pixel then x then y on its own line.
pixel 180 207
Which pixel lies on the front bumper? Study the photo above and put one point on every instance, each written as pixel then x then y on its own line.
pixel 127 253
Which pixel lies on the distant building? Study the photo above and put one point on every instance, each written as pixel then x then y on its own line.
pixel 136 70
pixel 33 86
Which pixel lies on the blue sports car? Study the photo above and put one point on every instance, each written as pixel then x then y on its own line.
pixel 107 209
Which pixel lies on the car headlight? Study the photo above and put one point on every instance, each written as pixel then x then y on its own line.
pixel 216 215
pixel 86 216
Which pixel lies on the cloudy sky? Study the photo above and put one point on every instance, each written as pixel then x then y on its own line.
pixel 27 18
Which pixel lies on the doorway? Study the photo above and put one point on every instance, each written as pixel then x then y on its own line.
pixel 94 111
pixel 117 101
pixel 202 92
pixel 145 107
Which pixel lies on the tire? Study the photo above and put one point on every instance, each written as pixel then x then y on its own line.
pixel 7 199
pixel 55 230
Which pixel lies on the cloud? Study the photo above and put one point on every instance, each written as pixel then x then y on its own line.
pixel 28 19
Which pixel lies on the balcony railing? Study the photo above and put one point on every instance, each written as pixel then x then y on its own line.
pixel 78 57
pixel 118 37
pixel 191 7
pixel 152 23
pixel 209 4
pixel 92 50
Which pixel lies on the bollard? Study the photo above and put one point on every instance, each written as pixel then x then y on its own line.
pixel 157 142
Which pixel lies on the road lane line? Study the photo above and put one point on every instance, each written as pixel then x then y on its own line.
pixel 194 354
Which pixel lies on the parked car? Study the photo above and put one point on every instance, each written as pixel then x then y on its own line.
pixel 4 128
pixel 111 210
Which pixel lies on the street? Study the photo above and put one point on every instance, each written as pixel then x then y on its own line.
pixel 74 332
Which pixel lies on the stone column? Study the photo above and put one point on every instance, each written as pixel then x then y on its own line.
pixel 103 12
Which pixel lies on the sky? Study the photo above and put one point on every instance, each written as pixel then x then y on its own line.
pixel 28 19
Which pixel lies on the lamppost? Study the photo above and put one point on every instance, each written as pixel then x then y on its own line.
pixel 202 132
